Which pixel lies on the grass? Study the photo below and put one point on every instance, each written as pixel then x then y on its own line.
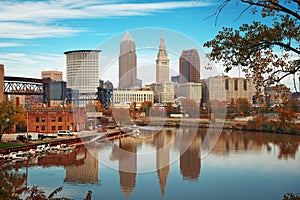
pixel 4 145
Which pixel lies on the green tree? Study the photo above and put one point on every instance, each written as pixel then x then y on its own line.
pixel 252 47
pixel 10 115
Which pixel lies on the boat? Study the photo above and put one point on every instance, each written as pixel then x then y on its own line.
pixel 64 147
pixel 39 149
pixel 31 152
pixel 14 156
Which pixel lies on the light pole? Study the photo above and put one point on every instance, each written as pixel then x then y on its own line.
pixel 27 127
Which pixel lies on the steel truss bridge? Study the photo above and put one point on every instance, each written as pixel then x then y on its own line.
pixel 28 86
pixel 102 94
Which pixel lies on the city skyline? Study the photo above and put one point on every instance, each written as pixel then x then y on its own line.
pixel 35 39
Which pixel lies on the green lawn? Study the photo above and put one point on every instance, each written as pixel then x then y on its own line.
pixel 4 145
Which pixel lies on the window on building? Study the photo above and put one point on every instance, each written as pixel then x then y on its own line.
pixel 53 119
pixel 236 87
pixel 245 84
pixel 43 128
pixel 37 119
pixel 59 127
pixel 43 119
pixel 60 119
pixel 37 128
pixel 226 84
pixel 53 128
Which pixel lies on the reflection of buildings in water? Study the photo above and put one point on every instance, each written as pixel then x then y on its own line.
pixel 163 141
pixel 126 153
pixel 86 173
pixel 235 141
pixel 74 158
pixel 190 162
pixel 255 141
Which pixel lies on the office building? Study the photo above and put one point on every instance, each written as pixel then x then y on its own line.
pixel 189 66
pixel 53 75
pixel 123 97
pixel 127 63
pixel 224 88
pixel 191 91
pixel 166 92
pixel 83 70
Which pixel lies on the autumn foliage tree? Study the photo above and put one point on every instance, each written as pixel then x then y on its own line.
pixel 252 47
pixel 243 106
pixel 10 115
pixel 145 107
pixel 190 107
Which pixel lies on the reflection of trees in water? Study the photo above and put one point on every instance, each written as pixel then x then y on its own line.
pixel 238 140
pixel 11 183
pixel 287 150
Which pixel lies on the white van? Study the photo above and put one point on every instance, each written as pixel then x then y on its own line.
pixel 65 133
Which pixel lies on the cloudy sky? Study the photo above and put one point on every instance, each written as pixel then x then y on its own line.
pixel 35 34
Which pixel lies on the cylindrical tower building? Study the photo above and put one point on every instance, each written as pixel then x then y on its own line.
pixel 83 70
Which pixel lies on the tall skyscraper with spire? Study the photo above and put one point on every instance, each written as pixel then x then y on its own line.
pixel 162 62
pixel 127 63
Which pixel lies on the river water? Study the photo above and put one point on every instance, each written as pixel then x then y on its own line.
pixel 168 164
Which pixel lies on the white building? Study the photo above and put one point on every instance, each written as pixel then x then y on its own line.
pixel 83 70
pixel 124 97
pixel 166 92
pixel 224 88
pixel 191 91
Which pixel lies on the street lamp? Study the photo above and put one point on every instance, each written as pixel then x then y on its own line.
pixel 27 127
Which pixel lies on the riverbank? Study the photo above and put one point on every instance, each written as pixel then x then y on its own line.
pixel 239 124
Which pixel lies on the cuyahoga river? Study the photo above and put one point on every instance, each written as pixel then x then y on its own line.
pixel 167 164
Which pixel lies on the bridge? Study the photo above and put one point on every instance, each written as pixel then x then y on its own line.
pixel 102 94
pixel 28 86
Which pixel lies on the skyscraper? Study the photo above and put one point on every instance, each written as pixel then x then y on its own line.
pixel 189 66
pixel 127 63
pixel 162 62
pixel 83 70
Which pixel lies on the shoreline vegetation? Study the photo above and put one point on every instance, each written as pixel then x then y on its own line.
pixel 244 125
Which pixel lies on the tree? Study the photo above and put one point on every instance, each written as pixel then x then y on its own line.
pixel 145 107
pixel 190 107
pixel 243 106
pixel 10 115
pixel 253 46
pixel 133 111
pixel 121 115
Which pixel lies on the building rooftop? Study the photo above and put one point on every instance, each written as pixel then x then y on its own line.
pixel 74 51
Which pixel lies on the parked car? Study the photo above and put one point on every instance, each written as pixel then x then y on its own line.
pixel 65 133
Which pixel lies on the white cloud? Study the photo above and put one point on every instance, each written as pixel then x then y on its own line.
pixel 10 44
pixel 47 11
pixel 28 20
pixel 31 65
pixel 18 30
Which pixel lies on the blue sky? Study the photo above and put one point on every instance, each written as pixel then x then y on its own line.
pixel 34 34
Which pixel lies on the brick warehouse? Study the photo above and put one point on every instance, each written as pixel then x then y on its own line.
pixel 52 119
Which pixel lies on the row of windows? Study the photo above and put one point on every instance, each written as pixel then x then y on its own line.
pixel 53 119
pixel 236 85
pixel 53 128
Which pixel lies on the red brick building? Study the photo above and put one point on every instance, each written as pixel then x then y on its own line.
pixel 53 119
